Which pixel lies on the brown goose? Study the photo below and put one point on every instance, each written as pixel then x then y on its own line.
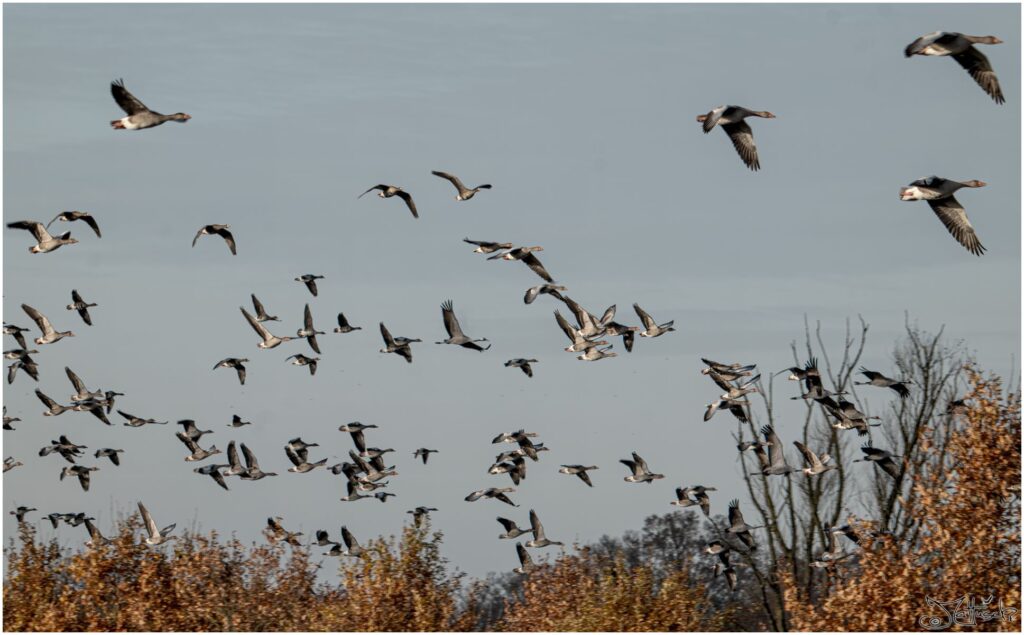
pixel 68 217
pixel 961 47
pixel 139 117
pixel 50 335
pixel 220 230
pixel 387 191
pixel 731 118
pixel 44 241
pixel 938 192
pixel 465 193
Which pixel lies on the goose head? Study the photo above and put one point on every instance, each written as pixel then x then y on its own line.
pixel 180 116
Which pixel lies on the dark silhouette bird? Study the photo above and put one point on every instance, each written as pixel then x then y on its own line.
pixel 219 230
pixel 387 191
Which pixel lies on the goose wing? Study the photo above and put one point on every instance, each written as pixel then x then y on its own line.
pixel 711 119
pixel 292 456
pixel 256 326
pixel 535 526
pixel 127 101
pixel 250 458
pixel 921 43
pixel 188 441
pixel 41 320
pixel 76 381
pixel 380 186
pixel 386 334
pixel 953 216
pixel 407 197
pixel 810 457
pixel 405 352
pixel 524 555
pixel 584 477
pixel 644 317
pixel 775 455
pixel 233 457
pixel 224 233
pixel 533 263
pixel 978 66
pixel 742 138
pixel 342 321
pixel 451 323
pixel 49 403
pixel 641 464
pixel 452 178
pixel 256 304
pixel 735 515
pixel 569 331
pixel 91 222
pixel 507 524
pixel 151 527
pixel 718 379
pixel 359 440
pixel 348 538
pixel 36 228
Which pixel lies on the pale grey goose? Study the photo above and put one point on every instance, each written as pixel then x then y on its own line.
pixel 776 457
pixel 83 473
pixel 516 469
pixel 300 462
pixel 10 463
pixel 261 313
pixel 139 116
pixel 580 471
pixel 49 334
pixel 234 362
pixel 961 47
pixel 95 537
pixel 513 437
pixel 525 255
pixel 80 305
pixel 465 193
pixel 392 345
pixel 299 359
pixel 237 422
pixel 579 342
pixel 190 430
pixel 486 246
pixel 219 230
pixel 387 191
pixel 252 466
pixel 52 407
pixel 522 364
pixel 197 453
pixel 269 340
pixel 44 241
pixel 733 392
pixel 277 532
pixel 18 353
pixel 493 492
pixel 512 530
pixel 9 420
pixel 731 119
pixel 71 216
pixel 351 544
pixel 683 498
pixel 539 539
pixel 344 326
pixel 353 494
pixel 156 536
pixel 235 467
pixel 309 279
pixel 815 464
pixel 596 353
pixel 938 192
pixel 455 334
pixel 652 328
pixel 81 392
pixel 550 289
pixel 640 472
pixel 526 564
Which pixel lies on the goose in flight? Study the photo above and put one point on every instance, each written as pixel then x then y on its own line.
pixel 110 453
pixel 81 392
pixel 512 530
pixel 580 471
pixel 579 342
pixel 396 345
pixel 10 463
pixel 487 247
pixel 277 532
pixel 551 289
pixel 728 372
pixel 882 458
pixel 732 392
pixel 301 360
pixel 739 527
pixel 69 217
pixel 261 313
pixel 219 230
pixel 455 334
pixel 596 353
pixel 387 191
pixel 9 420
pixel 93 406
pixel 731 119
pixel 269 340
pixel 21 511
pixel 652 328
pixel 188 427
pixel 353 494
pixel 197 453
pixel 234 362
pixel 309 279
pixel 641 473
pixel 729 572
pixel 237 422
pixel 344 326
pixel 49 334
pixel 938 192
pixel 351 544
pixel 383 496
pixel 45 243
pixel 420 513
pixel 356 426
pixel 526 564
pixel 138 422
pixel 139 117
pixel 156 536
pixel 516 469
pixel 815 464
pixel 522 364
pixel 525 255
pixel 53 408
pixel 961 47
pixel 736 407
pixel 83 473
pixel 16 332
pixel 539 539
pixel 252 466
pixel 880 380
pixel 465 193
pixel 493 492
pixel 300 461
pixel 64 447
pixel 628 333
pixel 234 466
pixel 423 453
pixel 513 437
pixel 776 457
pixel 683 498
pixel 589 325
pixel 27 364
pixel 213 471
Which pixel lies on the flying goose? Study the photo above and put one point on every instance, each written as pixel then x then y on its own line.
pixel 27 364
pixel 739 527
pixel 81 392
pixel 628 333
pixel 589 325
pixel 139 117
pixel 487 247
pixel 513 437
pixel 156 536
pixel 730 574
pixel 9 420
pixel 95 537
pixel 356 426
pixel 815 464
pixel 550 289
pixel 882 458
pixel 641 473
pixel 961 47
pixel 455 334
pixel 731 119
pixel 197 453
pixel 108 396
pixel 19 513
pixel 464 192
pixel 579 342
pixel 652 328
pixel 302 360
pixel 396 345
pixel 16 332
pixel 526 564
pixel 493 492
pixel 522 364
pixel 596 353
pixel 344 326
pixel 309 279
pixel 351 544
pixel 938 192
pixel 423 453
pixel 52 407
pixel 82 472
pixel 387 191
pixel 323 538
pixel 190 430
pixel 45 243
pixel 235 467
pixel 237 422
pixel 213 471
pixel 110 453
pixel 880 380
pixel 300 464
pixel 353 492
pixel 383 496
pixel 374 468
pixel 138 422
pixel 236 363
pixel 261 313
pixel 683 498
pixel 512 530
pixel 539 539
pixel 735 392
pixel 64 447
pixel 18 353
pixel 516 469
pixel 728 372
pixel 776 457
pixel 80 305
pixel 252 466
pixel 702 497
pixel 525 255
pixel 269 340
pixel 49 334
pixel 94 407
pixel 10 463
pixel 736 407
pixel 220 230
pixel 276 532
pixel 420 513
pixel 69 217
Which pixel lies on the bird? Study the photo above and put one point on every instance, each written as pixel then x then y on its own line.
pixel 455 334
pixel 512 530
pixel 734 392
pixel 138 422
pixel 220 230
pixel 641 473
pixel 938 192
pixel 252 466
pixel 728 372
pixel 234 362
pixel 683 498
pixel 553 290
pixel 20 512
pixel 493 492
pixel 139 117
pixel 465 193
pixel 525 255
pixel 261 313
pixel 596 353
pixel 83 473
pixel 351 544
pixel 815 464
pixel 423 453
pixel 301 360
pixel 628 333
pixel 731 119
pixel 16 332
pixel 71 216
pixel 776 457
pixel 277 532
pixel 197 453
pixel 736 407
pixel 420 513
pixel 522 364
pixel 353 492
pixel 26 364
pixel 234 466
pixel 64 447
pixel 237 422
pixel 513 437
pixel 9 420
pixel 269 340
pixel 53 408
pixel 49 334
pixel 880 380
pixel 961 47
pixel 487 247
pixel 739 527
pixel 344 326
pixel 95 537
pixel 300 464
pixel 190 430
pixel 10 463
pixel 110 453
pixel 652 328
pixel 730 574
pixel 702 497
pixel 81 392
pixel 516 469
pixel 539 539
pixel 399 346
pixel 108 396
pixel 387 191
pixel 45 243
pixel 213 471
pixel 882 458
pixel 309 279
pixel 526 564
pixel 156 536
pixel 383 496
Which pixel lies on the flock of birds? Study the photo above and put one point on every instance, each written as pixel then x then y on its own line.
pixel 366 474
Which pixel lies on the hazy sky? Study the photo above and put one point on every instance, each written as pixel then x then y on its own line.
pixel 583 118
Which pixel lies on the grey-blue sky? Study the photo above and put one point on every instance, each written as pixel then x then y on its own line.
pixel 583 119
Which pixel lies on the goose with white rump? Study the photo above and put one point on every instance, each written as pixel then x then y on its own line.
pixel 961 47
pixel 731 119
pixel 139 116
pixel 938 192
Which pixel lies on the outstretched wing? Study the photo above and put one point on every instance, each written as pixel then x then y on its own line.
pixel 742 138
pixel 41 320
pixel 975 62
pixel 953 216
pixel 388 340
pixel 379 186
pixel 76 381
pixel 126 100
pixel 36 228
pixel 259 328
pixel 148 520
pixel 533 263
pixel 407 197
pixel 644 317
pixel 451 323
pixel 451 177
pixel 229 239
